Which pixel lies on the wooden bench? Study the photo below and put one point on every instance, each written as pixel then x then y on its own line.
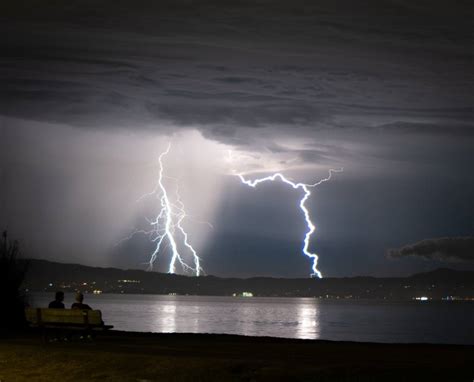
pixel 65 320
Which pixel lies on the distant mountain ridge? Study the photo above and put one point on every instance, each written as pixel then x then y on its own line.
pixel 443 283
pixel 439 273
pixel 444 274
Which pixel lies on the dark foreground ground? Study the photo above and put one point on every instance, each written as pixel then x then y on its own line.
pixel 121 356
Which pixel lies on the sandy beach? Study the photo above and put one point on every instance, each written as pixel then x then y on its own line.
pixel 125 356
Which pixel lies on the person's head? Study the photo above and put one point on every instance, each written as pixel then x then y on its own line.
pixel 59 296
pixel 79 297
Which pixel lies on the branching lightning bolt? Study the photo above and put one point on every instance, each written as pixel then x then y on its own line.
pixel 166 227
pixel 306 194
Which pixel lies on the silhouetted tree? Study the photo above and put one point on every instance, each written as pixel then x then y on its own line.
pixel 12 275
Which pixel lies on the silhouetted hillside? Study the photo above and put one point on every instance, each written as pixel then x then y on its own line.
pixel 439 284
pixel 445 275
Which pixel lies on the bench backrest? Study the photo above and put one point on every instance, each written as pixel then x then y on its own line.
pixel 39 316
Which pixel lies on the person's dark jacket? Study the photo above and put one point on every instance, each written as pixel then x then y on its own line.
pixel 80 305
pixel 56 305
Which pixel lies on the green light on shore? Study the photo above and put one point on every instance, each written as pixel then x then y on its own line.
pixel 243 294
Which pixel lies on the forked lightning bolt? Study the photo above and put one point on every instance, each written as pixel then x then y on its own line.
pixel 306 194
pixel 167 228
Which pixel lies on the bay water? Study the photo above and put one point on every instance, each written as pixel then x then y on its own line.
pixel 448 322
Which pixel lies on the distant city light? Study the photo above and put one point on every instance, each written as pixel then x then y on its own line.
pixel 243 294
pixel 422 298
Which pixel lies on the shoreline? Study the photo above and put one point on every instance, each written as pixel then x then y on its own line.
pixel 244 298
pixel 135 356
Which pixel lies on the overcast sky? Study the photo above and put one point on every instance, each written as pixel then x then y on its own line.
pixel 93 91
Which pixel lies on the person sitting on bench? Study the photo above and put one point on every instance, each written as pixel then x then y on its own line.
pixel 78 304
pixel 58 301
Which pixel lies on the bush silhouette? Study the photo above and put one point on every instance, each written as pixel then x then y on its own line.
pixel 12 275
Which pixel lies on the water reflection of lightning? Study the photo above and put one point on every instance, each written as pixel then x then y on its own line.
pixel 167 228
pixel 306 195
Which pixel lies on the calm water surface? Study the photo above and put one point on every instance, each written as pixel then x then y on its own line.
pixel 349 320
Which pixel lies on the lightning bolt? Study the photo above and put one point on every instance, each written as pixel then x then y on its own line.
pixel 306 194
pixel 167 227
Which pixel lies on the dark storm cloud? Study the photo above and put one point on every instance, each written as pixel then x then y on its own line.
pixel 444 249
pixel 383 88
pixel 431 128
pixel 224 65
